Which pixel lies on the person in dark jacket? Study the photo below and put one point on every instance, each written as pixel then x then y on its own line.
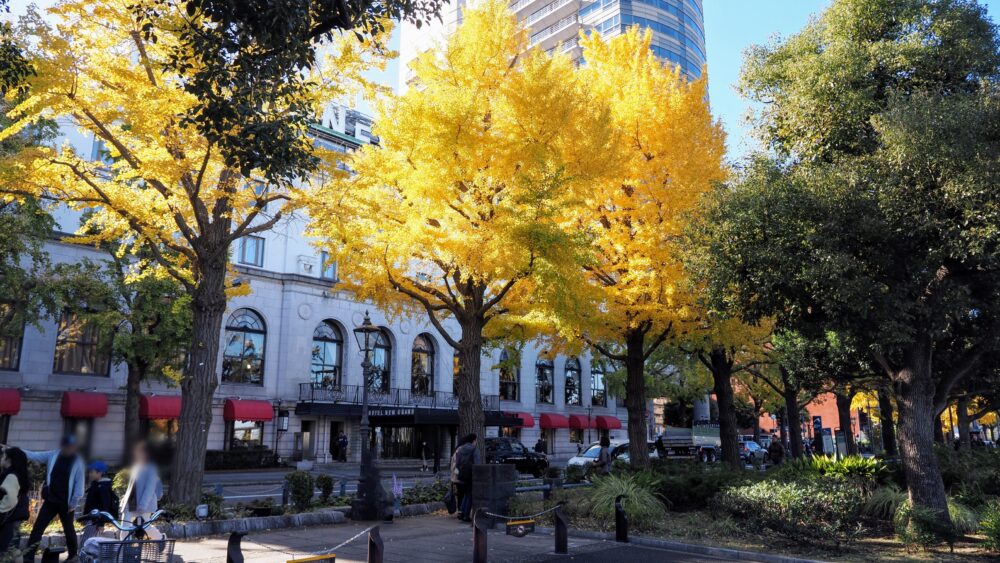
pixel 776 452
pixel 15 484
pixel 100 497
pixel 342 443
pixel 466 455
pixel 63 491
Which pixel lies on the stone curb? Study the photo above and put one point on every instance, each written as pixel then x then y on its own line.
pixel 694 549
pixel 327 517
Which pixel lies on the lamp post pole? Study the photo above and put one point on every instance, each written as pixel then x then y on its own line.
pixel 371 501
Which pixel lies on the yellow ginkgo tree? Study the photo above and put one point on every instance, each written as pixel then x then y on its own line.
pixel 669 152
pixel 463 211
pixel 162 184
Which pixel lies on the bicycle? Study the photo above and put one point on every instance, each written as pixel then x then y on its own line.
pixel 134 547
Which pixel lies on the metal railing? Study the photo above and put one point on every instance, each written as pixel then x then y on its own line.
pixel 545 10
pixel 353 394
pixel 554 28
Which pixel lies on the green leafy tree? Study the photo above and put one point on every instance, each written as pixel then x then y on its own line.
pixel 880 219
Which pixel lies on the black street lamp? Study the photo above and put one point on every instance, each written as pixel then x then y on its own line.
pixel 371 501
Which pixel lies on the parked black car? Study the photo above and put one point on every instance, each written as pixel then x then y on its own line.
pixel 511 450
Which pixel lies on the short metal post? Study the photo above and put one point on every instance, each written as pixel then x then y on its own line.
pixel 376 549
pixel 343 487
pixel 547 491
pixel 562 531
pixel 284 494
pixel 621 521
pixel 218 490
pixel 234 551
pixel 51 554
pixel 479 551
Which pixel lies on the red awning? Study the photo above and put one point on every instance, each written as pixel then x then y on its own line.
pixel 579 421
pixel 607 423
pixel 548 420
pixel 10 401
pixel 527 421
pixel 159 408
pixel 248 411
pixel 78 404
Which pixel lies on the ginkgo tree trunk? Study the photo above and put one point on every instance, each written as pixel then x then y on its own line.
pixel 163 184
pixel 460 213
pixel 668 152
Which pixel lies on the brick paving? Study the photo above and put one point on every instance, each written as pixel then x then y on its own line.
pixel 424 539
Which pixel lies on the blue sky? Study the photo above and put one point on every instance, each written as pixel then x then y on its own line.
pixel 733 25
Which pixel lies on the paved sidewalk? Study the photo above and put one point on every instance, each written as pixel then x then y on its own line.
pixel 424 539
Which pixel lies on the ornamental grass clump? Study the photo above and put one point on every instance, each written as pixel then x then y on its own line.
pixel 640 501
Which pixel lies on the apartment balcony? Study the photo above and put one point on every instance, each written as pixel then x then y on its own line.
pixel 550 13
pixel 559 32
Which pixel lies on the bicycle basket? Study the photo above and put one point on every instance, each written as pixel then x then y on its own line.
pixel 134 551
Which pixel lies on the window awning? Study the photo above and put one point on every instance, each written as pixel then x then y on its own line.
pixel 159 408
pixel 549 420
pixel 10 401
pixel 80 404
pixel 527 421
pixel 607 423
pixel 579 421
pixel 247 410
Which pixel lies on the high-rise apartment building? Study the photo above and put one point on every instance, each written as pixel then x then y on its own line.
pixel 678 27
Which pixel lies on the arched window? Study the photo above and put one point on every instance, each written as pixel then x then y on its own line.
pixel 243 355
pixel 510 376
pixel 422 366
pixel 83 347
pixel 327 355
pixel 544 382
pixel 574 391
pixel 598 385
pixel 381 363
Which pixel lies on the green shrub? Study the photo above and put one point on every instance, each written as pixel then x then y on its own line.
pixel 300 488
pixel 963 518
pixel 575 473
pixel 922 526
pixel 640 502
pixel 798 508
pixel 866 474
pixel 325 485
pixel 882 505
pixel 420 494
pixel 989 526
pixel 970 472
pixel 690 485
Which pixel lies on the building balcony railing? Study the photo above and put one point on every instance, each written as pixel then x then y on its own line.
pixel 554 28
pixel 545 10
pixel 353 395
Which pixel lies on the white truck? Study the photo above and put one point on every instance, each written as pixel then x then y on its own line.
pixel 701 440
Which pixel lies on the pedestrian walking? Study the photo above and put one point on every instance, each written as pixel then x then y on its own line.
pixel 604 457
pixel 540 446
pixel 142 496
pixel 342 443
pixel 15 484
pixel 466 455
pixel 661 448
pixel 776 452
pixel 61 494
pixel 425 455
pixel 100 497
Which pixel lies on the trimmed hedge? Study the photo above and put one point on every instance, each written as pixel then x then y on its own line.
pixel 819 510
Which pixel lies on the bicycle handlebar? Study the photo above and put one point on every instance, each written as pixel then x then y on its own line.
pixel 125 526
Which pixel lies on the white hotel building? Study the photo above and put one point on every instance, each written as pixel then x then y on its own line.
pixel 290 369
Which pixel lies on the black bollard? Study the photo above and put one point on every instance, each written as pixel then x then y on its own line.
pixel 376 549
pixel 343 487
pixel 479 528
pixel 547 492
pixel 562 531
pixel 234 552
pixel 621 521
pixel 284 494
pixel 51 554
